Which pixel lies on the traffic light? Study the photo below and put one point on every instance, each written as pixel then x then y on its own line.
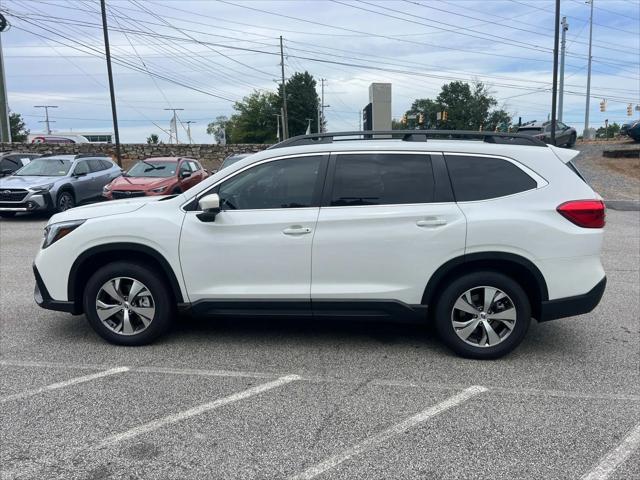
pixel 445 116
pixel 404 119
pixel 629 110
pixel 603 106
pixel 421 118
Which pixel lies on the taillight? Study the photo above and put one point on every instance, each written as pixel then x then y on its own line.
pixel 584 213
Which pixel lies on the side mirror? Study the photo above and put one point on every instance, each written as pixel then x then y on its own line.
pixel 210 206
pixel 185 175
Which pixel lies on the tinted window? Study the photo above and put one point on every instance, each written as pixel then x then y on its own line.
pixel 286 183
pixel 10 163
pixel 81 167
pixel 106 164
pixel 479 178
pixel 382 179
pixel 95 165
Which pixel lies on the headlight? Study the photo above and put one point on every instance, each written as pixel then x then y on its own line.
pixel 55 231
pixel 42 188
pixel 159 189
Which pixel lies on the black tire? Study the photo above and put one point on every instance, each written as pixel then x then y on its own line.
pixel 160 292
pixel 7 214
pixel 177 191
pixel 444 312
pixel 65 201
pixel 572 141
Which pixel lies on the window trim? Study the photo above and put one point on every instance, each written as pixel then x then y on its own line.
pixel 443 192
pixel 541 182
pixel 318 189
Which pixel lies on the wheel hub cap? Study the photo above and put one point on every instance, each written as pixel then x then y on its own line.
pixel 125 306
pixel 483 316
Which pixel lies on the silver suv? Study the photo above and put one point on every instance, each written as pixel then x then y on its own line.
pixel 56 183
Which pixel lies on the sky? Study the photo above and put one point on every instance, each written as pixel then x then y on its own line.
pixel 202 56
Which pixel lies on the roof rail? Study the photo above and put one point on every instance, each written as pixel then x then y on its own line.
pixel 411 136
pixel 91 155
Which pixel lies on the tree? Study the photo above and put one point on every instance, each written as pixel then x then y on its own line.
pixel 19 130
pixel 153 139
pixel 608 132
pixel 218 128
pixel 255 120
pixel 302 103
pixel 468 107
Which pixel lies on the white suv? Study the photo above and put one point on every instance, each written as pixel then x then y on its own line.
pixel 475 236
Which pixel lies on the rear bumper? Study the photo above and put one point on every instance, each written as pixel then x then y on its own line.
pixel 44 300
pixel 571 306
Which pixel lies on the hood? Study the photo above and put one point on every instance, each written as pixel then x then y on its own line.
pixel 103 209
pixel 139 183
pixel 19 181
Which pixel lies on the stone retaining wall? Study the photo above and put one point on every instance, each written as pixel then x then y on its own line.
pixel 209 155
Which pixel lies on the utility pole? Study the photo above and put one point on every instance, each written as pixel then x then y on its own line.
pixel 586 110
pixel 5 125
pixel 563 46
pixel 189 122
pixel 322 106
pixel 107 53
pixel 46 116
pixel 554 95
pixel 285 118
pixel 174 120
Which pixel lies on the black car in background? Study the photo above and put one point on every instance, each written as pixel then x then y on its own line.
pixel 631 129
pixel 12 161
pixel 565 135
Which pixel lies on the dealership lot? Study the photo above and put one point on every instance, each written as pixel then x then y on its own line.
pixel 308 399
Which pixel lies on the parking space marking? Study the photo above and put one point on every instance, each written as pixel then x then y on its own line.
pixel 192 412
pixel 616 457
pixel 66 383
pixel 381 437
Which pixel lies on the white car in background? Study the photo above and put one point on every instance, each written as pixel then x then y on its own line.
pixel 475 236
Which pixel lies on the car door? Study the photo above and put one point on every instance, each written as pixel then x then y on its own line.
pixel 387 223
pixel 100 176
pixel 81 181
pixel 259 246
pixel 186 182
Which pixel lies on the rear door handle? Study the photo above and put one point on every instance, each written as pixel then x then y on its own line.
pixel 296 230
pixel 431 222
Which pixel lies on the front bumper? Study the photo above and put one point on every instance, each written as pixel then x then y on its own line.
pixel 572 306
pixel 44 300
pixel 31 203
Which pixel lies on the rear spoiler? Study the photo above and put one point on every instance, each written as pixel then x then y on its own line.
pixel 564 154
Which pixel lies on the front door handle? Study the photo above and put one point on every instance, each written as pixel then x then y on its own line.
pixel 431 222
pixel 296 230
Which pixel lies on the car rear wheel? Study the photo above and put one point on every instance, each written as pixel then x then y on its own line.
pixel 128 303
pixel 572 141
pixel 483 315
pixel 65 201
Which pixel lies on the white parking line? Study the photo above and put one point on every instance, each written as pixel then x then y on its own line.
pixel 616 457
pixel 66 383
pixel 401 427
pixel 192 412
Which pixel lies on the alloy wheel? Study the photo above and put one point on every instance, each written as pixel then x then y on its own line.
pixel 125 306
pixel 65 202
pixel 483 316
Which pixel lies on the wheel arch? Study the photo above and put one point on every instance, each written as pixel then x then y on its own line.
pixel 67 187
pixel 96 257
pixel 517 267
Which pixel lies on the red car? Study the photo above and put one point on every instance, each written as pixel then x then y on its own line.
pixel 156 176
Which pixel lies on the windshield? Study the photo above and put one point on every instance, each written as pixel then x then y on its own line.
pixel 230 160
pixel 152 169
pixel 49 167
pixel 530 130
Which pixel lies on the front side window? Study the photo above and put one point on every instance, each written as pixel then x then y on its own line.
pixel 49 167
pixel 382 179
pixel 481 178
pixel 184 167
pixel 81 168
pixel 287 183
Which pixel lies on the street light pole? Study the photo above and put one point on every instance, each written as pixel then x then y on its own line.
pixel 563 46
pixel 107 53
pixel 554 95
pixel 5 125
pixel 285 117
pixel 585 134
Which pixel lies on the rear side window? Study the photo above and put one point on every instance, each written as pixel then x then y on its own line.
pixel 382 179
pixel 106 164
pixel 481 178
pixel 96 165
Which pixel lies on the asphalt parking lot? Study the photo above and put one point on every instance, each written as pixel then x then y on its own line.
pixel 247 399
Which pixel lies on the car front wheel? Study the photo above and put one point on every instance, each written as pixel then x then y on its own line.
pixel 65 201
pixel 483 315
pixel 128 303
